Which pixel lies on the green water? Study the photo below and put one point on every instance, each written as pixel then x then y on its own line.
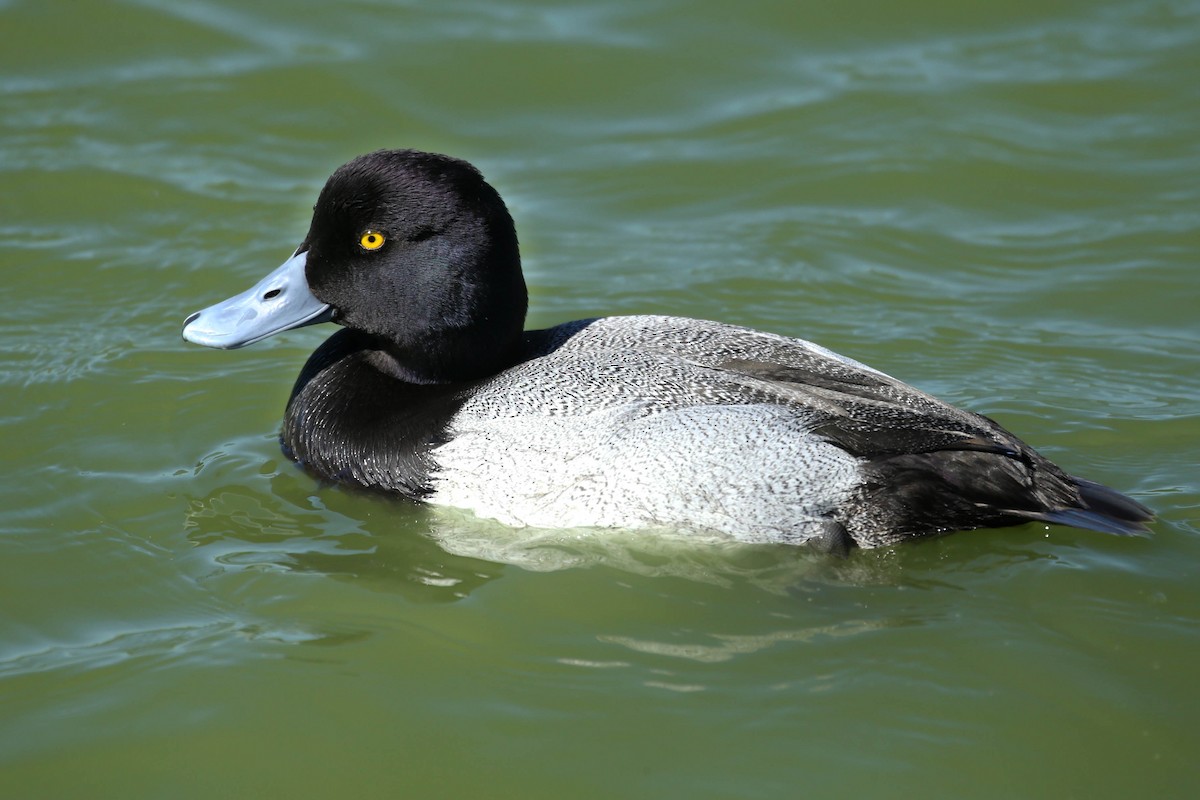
pixel 997 202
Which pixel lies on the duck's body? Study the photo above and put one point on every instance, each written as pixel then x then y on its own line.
pixel 434 392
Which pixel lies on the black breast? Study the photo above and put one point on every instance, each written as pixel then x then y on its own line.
pixel 349 422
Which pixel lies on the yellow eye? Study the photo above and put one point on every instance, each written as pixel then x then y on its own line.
pixel 371 240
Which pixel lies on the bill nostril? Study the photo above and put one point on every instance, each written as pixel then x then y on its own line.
pixel 272 293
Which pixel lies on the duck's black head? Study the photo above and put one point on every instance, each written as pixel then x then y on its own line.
pixel 414 250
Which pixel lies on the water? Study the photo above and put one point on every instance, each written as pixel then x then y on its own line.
pixel 998 203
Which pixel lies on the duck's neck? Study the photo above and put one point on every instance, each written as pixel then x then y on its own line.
pixel 450 358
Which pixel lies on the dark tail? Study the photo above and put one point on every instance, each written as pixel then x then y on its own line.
pixel 1102 509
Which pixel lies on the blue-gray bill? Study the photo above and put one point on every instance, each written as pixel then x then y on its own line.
pixel 279 302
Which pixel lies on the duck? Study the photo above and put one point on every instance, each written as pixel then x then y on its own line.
pixel 434 391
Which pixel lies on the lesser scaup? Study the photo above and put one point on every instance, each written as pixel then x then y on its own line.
pixel 433 390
